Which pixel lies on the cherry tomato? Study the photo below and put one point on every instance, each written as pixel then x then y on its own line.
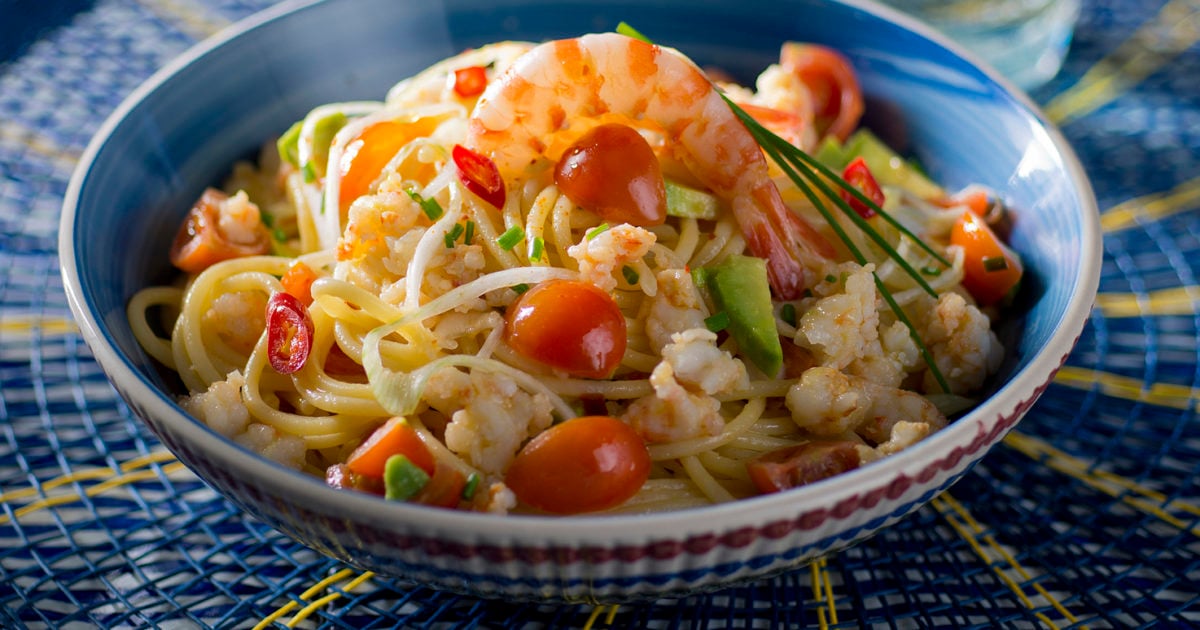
pixel 582 465
pixel 858 175
pixel 794 466
pixel 298 281
pixel 991 271
pixel 365 156
pixel 395 437
pixel 612 171
pixel 200 243
pixel 479 174
pixel 570 325
pixel 470 81
pixel 289 333
pixel 444 489
pixel 837 96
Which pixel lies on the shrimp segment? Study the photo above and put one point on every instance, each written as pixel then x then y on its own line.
pixel 613 77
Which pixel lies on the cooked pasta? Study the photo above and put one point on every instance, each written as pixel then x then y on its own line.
pixel 565 278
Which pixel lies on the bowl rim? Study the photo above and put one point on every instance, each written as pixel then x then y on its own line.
pixel 606 529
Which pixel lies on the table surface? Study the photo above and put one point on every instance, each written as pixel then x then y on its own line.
pixel 1088 514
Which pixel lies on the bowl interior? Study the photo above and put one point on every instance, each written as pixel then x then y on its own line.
pixel 183 129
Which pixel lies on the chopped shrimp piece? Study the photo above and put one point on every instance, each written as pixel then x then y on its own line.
pixel 622 79
pixel 827 402
pixel 239 318
pixel 842 327
pixel 603 254
pixel 676 307
pixel 490 416
pixel 682 406
pixel 960 338
pixel 221 406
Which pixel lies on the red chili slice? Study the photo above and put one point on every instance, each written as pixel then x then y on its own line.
pixel 858 175
pixel 470 81
pixel 289 333
pixel 479 174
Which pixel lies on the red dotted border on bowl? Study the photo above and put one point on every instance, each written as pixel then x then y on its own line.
pixel 326 532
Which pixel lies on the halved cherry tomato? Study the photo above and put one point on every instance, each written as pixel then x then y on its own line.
pixel 858 175
pixel 298 280
pixel 200 243
pixel 470 81
pixel 991 271
pixel 837 96
pixel 582 465
pixel 479 174
pixel 364 157
pixel 612 171
pixel 794 466
pixel 570 325
pixel 395 437
pixel 444 489
pixel 289 333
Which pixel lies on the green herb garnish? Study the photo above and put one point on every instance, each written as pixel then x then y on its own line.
pixel 630 274
pixel 468 491
pixel 717 322
pixel 429 206
pixel 453 234
pixel 537 248
pixel 596 231
pixel 788 314
pixel 469 235
pixel 510 238
pixel 995 263
pixel 520 288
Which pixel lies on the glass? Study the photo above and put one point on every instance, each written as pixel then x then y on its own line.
pixel 1026 40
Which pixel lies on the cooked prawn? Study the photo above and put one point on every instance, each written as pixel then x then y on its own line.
pixel 617 78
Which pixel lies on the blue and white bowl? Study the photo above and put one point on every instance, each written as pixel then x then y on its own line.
pixel 182 130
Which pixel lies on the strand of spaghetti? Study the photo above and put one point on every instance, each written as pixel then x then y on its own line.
pixel 760 443
pixel 560 222
pixel 486 233
pixel 325 392
pixel 141 302
pixel 689 239
pixel 199 299
pixel 749 414
pixel 535 224
pixel 639 361
pixel 711 248
pixel 301 426
pixel 665 257
pixel 703 480
pixel 727 467
pixel 347 293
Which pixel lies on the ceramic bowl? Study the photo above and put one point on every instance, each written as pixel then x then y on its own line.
pixel 183 128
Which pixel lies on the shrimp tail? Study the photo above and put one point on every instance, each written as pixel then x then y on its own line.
pixel 793 249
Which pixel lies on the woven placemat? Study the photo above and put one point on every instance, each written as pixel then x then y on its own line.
pixel 1087 515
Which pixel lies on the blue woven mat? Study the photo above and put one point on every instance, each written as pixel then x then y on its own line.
pixel 1088 515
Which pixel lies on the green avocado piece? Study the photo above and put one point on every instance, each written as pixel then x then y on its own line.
pixel 690 203
pixel 739 287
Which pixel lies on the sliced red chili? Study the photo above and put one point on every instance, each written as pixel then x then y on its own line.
pixel 470 81
pixel 479 174
pixel 858 175
pixel 289 333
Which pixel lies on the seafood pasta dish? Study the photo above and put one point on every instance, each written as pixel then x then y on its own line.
pixel 583 276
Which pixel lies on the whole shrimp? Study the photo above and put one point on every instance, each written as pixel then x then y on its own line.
pixel 612 76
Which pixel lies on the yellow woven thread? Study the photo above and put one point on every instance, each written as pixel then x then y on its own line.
pixel 86 475
pixel 1173 301
pixel 91 491
pixel 1117 386
pixel 1155 503
pixel 961 520
pixel 1182 198
pixel 1175 29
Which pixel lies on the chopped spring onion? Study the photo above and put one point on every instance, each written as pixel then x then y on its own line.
pixel 718 322
pixel 510 237
pixel 995 263
pixel 430 207
pixel 788 314
pixel 469 235
pixel 453 235
pixel 596 231
pixel 520 288
pixel 537 248
pixel 402 479
pixel 468 491
pixel 630 274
